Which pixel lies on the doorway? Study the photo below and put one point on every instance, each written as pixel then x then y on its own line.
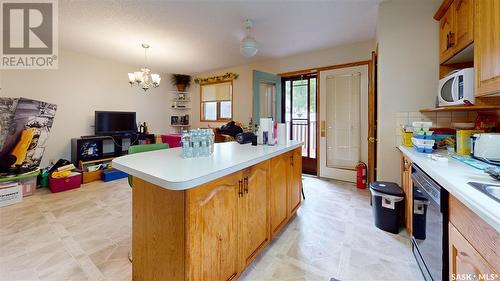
pixel 301 115
pixel 344 121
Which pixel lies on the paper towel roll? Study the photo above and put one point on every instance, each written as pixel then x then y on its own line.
pixel 265 126
pixel 281 133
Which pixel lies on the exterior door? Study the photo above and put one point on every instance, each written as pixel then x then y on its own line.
pixel 344 117
pixel 300 115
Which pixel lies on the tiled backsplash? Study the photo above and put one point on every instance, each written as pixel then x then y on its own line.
pixel 438 119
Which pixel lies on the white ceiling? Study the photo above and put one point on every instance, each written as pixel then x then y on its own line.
pixel 196 36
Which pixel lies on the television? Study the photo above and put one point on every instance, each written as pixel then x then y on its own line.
pixel 115 123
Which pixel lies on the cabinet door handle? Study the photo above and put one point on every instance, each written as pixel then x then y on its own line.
pixel 452 39
pixel 245 181
pixel 240 189
pixel 291 160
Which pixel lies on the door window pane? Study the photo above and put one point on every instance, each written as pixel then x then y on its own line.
pixel 288 107
pixel 312 118
pixel 299 99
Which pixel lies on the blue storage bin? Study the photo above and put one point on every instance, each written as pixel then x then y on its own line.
pixel 112 174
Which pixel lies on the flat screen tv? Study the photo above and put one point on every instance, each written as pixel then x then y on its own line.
pixel 114 123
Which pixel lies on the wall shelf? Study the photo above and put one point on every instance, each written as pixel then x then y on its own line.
pixel 177 125
pixel 181 108
pixel 462 108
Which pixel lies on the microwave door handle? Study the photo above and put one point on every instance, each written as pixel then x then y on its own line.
pixel 454 89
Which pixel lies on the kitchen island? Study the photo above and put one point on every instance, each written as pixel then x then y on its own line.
pixel 207 218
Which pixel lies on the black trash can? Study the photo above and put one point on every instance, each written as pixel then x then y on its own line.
pixel 420 203
pixel 387 205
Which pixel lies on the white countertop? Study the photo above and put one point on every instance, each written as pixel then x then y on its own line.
pixel 168 169
pixel 454 176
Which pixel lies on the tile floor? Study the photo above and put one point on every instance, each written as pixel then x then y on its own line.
pixel 84 234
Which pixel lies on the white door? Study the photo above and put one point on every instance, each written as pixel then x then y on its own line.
pixel 344 117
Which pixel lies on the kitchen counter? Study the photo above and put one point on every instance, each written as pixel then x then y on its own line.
pixel 208 218
pixel 454 175
pixel 166 168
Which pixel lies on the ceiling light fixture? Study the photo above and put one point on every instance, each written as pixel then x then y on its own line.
pixel 249 46
pixel 144 78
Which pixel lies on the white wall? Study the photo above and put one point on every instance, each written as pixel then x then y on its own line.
pixel 242 87
pixel 408 68
pixel 81 85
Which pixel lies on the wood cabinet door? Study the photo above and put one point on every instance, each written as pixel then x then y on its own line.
pixel 487 46
pixel 465 262
pixel 446 34
pixel 464 12
pixel 407 185
pixel 295 180
pixel 280 166
pixel 253 232
pixel 212 229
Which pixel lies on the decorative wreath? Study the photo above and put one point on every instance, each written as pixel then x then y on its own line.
pixel 225 77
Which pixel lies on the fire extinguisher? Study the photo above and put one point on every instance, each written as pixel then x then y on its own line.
pixel 361 175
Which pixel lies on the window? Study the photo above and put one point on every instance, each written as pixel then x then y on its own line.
pixel 216 101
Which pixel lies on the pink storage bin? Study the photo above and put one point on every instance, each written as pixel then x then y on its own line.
pixel 173 140
pixel 28 186
pixel 67 183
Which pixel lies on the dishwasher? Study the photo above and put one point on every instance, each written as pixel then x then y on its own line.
pixel 430 226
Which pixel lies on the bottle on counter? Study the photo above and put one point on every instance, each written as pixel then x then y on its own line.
pixel 211 141
pixel 195 140
pixel 187 151
pixel 203 143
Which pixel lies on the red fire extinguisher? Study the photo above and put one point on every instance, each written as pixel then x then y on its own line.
pixel 361 175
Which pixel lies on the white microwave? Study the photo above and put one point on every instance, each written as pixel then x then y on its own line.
pixel 457 87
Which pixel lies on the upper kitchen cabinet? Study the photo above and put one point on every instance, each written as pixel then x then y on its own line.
pixel 487 47
pixel 456 27
pixel 446 31
pixel 464 13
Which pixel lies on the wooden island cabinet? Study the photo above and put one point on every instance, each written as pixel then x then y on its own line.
pixel 214 230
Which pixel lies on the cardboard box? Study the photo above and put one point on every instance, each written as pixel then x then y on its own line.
pixel 10 193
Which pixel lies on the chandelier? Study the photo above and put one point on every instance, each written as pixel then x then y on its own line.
pixel 144 78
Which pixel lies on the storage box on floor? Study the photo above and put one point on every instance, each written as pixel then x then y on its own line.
pixel 74 180
pixel 13 189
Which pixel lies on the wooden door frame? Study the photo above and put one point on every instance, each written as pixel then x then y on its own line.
pixel 372 107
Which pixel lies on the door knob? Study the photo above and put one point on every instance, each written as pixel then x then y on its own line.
pixel 372 139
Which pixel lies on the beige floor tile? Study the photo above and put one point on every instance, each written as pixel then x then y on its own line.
pixel 85 234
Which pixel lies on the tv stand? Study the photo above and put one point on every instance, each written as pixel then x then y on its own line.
pixel 89 151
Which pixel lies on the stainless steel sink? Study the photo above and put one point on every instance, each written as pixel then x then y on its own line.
pixel 491 190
